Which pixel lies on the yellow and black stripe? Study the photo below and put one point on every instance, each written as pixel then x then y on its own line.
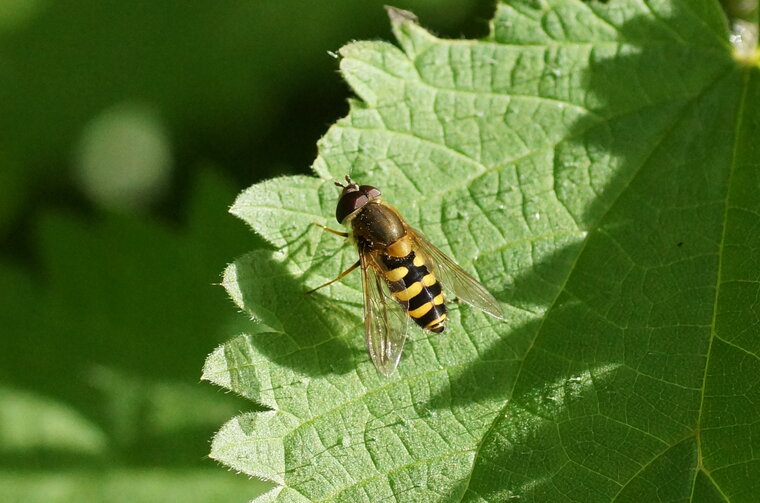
pixel 417 289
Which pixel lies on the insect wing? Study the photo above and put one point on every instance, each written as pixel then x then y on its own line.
pixel 385 322
pixel 456 279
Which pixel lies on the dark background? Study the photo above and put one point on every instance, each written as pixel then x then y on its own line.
pixel 126 130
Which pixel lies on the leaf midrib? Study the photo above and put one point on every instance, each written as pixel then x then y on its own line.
pixel 727 206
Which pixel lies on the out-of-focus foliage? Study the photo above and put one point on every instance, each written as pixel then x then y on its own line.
pixel 100 348
pixel 111 237
pixel 250 84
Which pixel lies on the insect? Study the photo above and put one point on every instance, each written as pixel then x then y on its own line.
pixel 403 275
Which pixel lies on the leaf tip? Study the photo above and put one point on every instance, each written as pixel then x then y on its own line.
pixel 400 16
pixel 410 35
pixel 230 284
pixel 236 207
pixel 232 443
pixel 211 368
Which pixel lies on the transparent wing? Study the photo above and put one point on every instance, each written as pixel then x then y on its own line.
pixel 385 322
pixel 455 279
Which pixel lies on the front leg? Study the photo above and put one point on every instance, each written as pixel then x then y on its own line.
pixel 340 277
pixel 333 231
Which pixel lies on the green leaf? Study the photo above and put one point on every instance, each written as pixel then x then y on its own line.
pixel 593 164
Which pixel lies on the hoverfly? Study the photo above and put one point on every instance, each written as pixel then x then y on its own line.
pixel 403 275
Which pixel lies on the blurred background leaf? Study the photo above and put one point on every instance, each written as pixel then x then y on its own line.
pixel 126 129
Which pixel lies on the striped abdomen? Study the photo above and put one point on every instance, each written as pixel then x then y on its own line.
pixel 417 288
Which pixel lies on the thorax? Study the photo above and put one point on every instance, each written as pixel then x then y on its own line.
pixel 379 225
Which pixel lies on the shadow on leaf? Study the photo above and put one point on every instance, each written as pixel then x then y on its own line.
pixel 310 329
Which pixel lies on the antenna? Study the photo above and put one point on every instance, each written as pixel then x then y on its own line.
pixel 348 180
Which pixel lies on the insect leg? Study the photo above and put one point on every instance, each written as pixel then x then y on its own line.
pixel 340 277
pixel 333 231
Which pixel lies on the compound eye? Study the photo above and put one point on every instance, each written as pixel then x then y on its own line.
pixel 370 191
pixel 348 203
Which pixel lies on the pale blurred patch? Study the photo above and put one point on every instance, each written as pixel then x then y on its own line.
pixel 123 157
pixel 744 37
pixel 29 421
